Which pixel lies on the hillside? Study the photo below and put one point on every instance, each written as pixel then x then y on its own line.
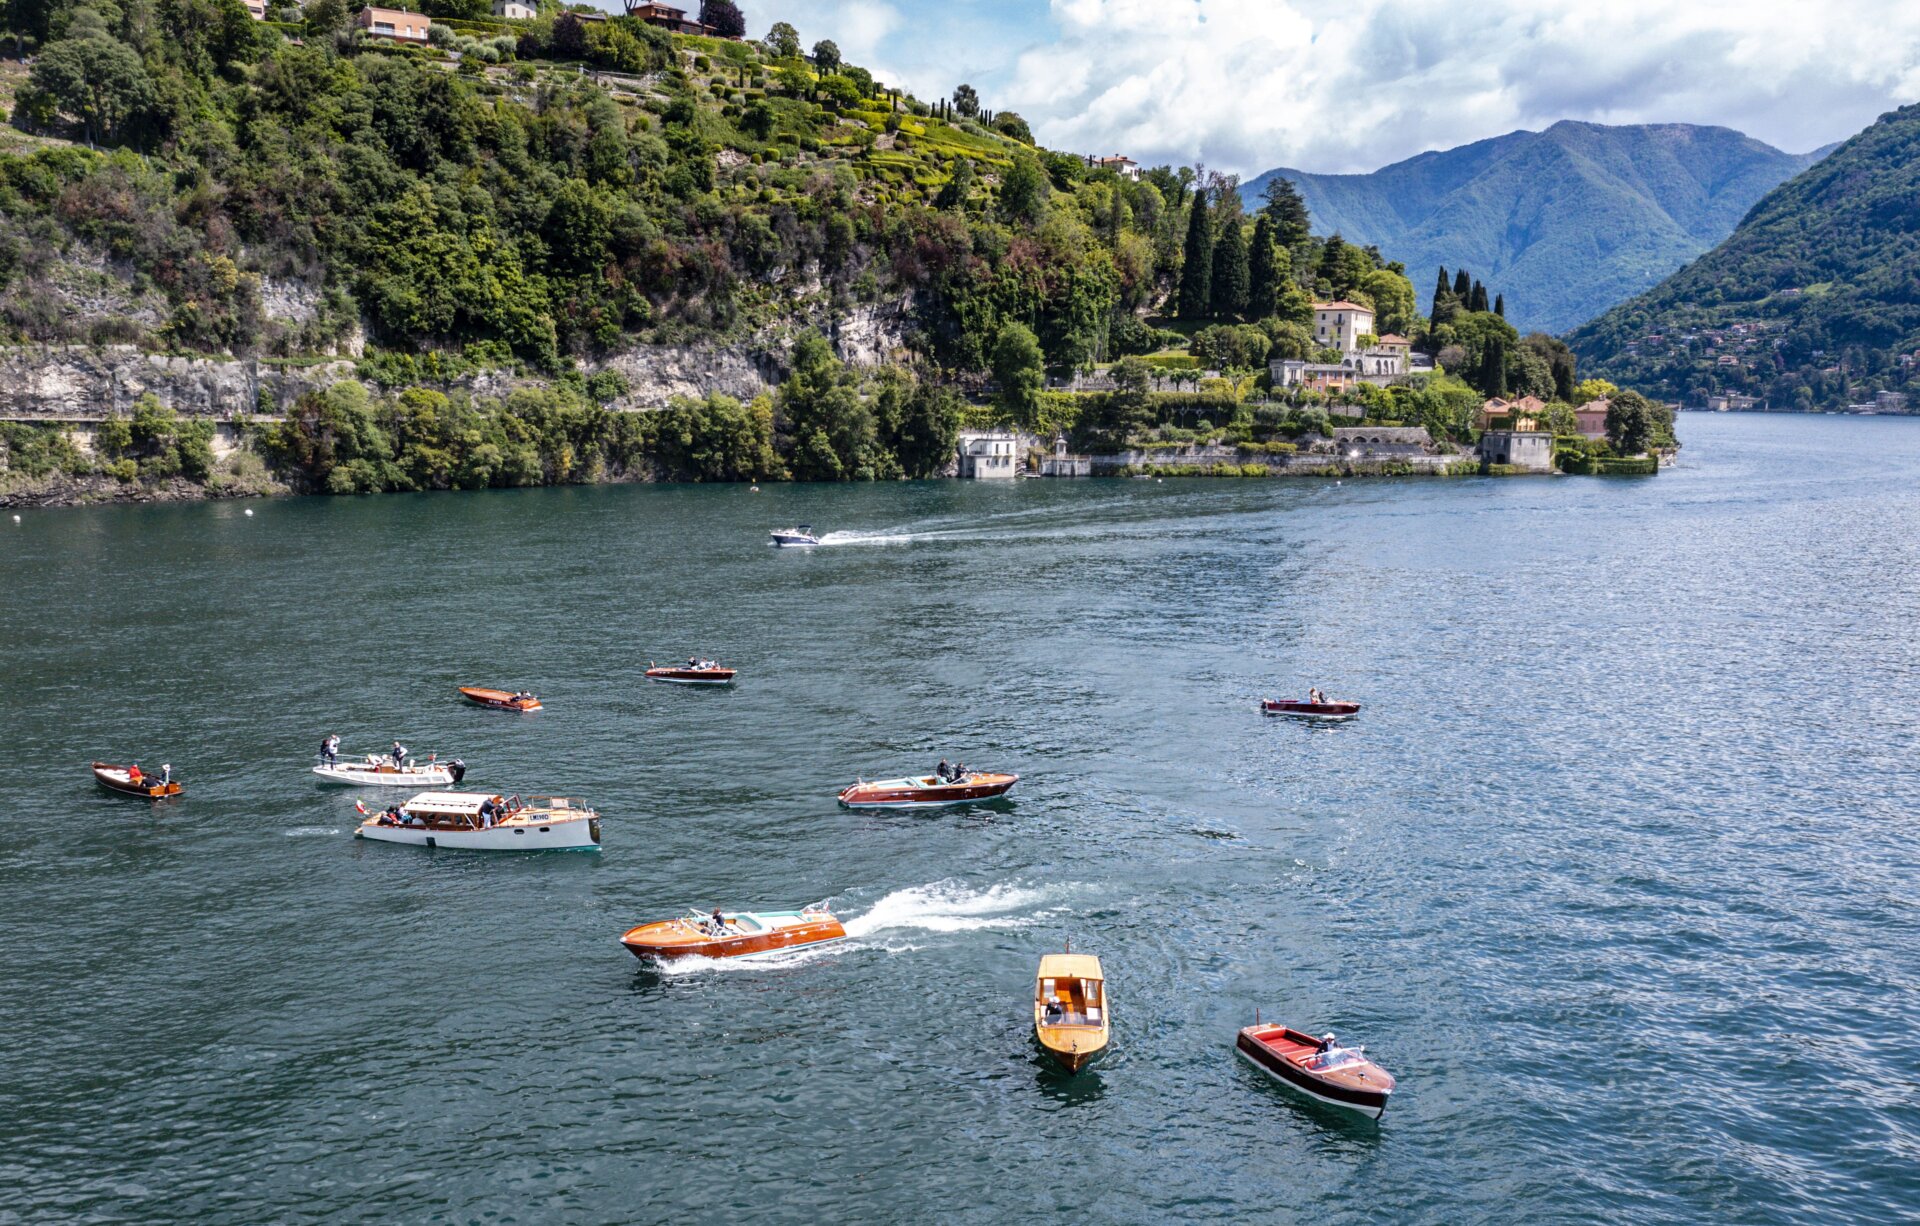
pixel 1567 221
pixel 1812 303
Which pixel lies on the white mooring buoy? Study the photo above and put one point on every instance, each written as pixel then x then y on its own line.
pixel 16 519
pixel 249 512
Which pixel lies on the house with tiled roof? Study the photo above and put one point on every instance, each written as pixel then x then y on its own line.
pixel 1525 413
pixel 1592 418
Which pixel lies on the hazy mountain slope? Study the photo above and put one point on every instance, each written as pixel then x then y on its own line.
pixel 1564 222
pixel 1813 302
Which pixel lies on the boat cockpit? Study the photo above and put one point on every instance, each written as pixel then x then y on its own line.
pixel 1071 1002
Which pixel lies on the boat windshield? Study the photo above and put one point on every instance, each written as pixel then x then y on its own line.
pixel 1338 1058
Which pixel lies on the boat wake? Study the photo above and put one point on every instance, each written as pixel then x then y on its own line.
pixel 873 538
pixel 312 832
pixel 951 906
pixel 941 906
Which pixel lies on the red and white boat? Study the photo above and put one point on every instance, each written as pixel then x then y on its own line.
pixel 927 790
pixel 123 780
pixel 1311 710
pixel 693 672
pixel 1340 1076
pixel 500 700
pixel 732 934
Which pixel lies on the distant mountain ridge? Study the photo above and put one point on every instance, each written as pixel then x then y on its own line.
pixel 1565 222
pixel 1813 302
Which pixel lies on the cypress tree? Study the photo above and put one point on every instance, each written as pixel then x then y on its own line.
pixel 1230 271
pixel 1333 264
pixel 1196 275
pixel 1479 300
pixel 1462 286
pixel 1493 368
pixel 1439 289
pixel 1263 271
pixel 1500 305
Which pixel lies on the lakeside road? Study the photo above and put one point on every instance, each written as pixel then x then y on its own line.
pixel 1603 873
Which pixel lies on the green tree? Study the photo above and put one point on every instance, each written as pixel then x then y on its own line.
pixel 1629 423
pixel 820 408
pixel 919 422
pixel 97 80
pixel 325 18
pixel 1020 368
pixel 1024 190
pixel 1477 300
pixel 1264 271
pixel 1462 286
pixel 826 55
pixel 783 41
pixel 1231 274
pixel 1500 305
pixel 966 100
pixel 1493 368
pixel 1440 292
pixel 723 17
pixel 1196 272
pixel 953 193
pixel 1284 207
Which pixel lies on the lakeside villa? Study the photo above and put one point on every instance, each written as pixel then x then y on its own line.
pixel 1346 327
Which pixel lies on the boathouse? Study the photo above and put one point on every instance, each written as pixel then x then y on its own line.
pixel 989 455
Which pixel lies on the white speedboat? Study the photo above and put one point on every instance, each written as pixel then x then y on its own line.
pixel 803 535
pixel 375 771
pixel 476 821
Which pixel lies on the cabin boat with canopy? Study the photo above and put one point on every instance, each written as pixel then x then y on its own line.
pixel 1070 1009
pixel 1326 711
pixel 917 791
pixel 500 700
pixel 693 672
pixel 1321 1069
pixel 123 780
pixel 733 934
pixel 477 821
pixel 378 771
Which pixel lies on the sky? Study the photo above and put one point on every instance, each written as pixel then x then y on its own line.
pixel 1349 86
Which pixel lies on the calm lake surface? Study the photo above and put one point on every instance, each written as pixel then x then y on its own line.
pixel 1616 872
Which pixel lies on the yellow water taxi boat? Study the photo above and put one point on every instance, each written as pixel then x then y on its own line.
pixel 1070 1008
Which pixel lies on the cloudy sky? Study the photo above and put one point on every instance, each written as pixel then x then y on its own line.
pixel 1246 85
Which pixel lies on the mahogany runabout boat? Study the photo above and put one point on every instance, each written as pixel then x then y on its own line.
pixel 732 934
pixel 1311 710
pixel 703 672
pixel 122 779
pixel 927 790
pixel 1340 1076
pixel 500 700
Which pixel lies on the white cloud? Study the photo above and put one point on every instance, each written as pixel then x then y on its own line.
pixel 1351 85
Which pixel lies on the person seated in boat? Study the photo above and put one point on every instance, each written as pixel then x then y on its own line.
pixel 1316 697
pixel 1053 1013
pixel 943 772
pixel 716 924
pixel 1327 1043
pixel 392 816
pixel 135 775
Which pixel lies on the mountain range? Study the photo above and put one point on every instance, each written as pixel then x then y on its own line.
pixel 1566 222
pixel 1813 302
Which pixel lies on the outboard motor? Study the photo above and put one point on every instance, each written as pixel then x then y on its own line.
pixel 457 769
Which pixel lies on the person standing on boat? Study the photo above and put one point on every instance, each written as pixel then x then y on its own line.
pixel 166 773
pixel 399 756
pixel 330 750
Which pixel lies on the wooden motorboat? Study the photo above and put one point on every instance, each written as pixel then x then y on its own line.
pixel 476 821
pixel 122 779
pixel 1070 1009
pixel 1311 710
pixel 802 536
pixel 1326 1071
pixel 734 934
pixel 378 771
pixel 500 700
pixel 694 672
pixel 927 790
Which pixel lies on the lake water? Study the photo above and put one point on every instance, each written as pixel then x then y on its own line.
pixel 1616 872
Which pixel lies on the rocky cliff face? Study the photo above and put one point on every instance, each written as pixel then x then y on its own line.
pixel 80 382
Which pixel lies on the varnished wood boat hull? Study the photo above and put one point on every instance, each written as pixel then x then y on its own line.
pixel 498 700
pixel 1329 711
pixel 113 778
pixel 670 939
pixel 1371 1103
pixel 885 794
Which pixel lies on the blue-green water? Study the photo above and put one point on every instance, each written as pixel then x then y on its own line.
pixel 1616 872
